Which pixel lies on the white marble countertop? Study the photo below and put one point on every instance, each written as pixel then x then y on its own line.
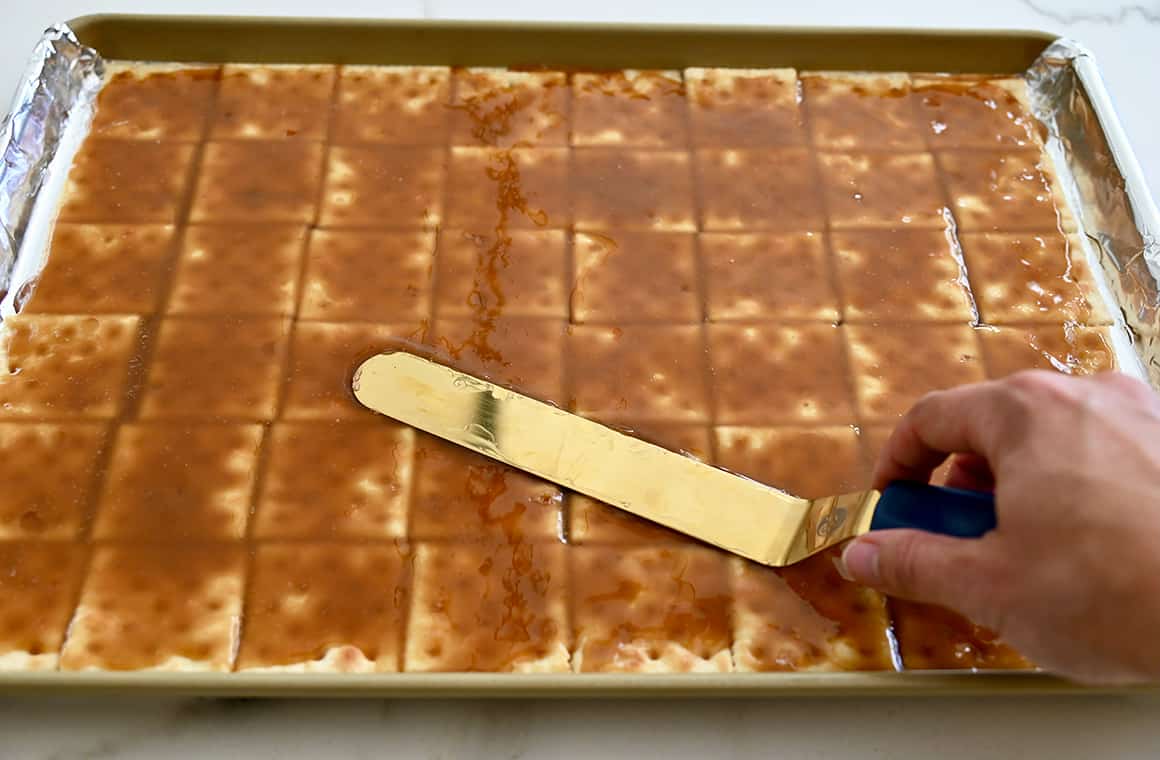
pixel 1124 38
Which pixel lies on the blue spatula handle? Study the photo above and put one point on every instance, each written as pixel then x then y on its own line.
pixel 949 511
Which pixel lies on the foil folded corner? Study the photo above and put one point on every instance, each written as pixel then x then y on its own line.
pixel 1101 173
pixel 59 87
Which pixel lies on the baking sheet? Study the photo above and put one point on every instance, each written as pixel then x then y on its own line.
pixel 1072 103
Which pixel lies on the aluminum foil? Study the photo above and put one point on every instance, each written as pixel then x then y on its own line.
pixel 1106 187
pixel 55 97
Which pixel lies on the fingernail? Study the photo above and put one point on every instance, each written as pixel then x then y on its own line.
pixel 859 562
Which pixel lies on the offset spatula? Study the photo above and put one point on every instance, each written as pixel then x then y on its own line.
pixel 735 513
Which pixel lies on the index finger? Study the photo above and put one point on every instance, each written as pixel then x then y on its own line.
pixel 963 420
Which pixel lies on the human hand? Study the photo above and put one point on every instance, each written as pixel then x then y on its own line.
pixel 1071 575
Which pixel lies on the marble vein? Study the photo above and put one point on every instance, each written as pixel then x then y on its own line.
pixel 1110 17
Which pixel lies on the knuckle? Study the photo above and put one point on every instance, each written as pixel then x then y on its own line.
pixel 1115 390
pixel 926 404
pixel 1026 394
pixel 1110 390
pixel 1037 382
pixel 1127 385
pixel 1016 402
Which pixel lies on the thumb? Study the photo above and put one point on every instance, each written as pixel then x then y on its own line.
pixel 920 566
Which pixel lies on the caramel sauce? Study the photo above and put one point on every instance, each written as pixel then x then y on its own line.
pixel 875 112
pixel 504 114
pixel 757 270
pixel 638 372
pixel 103 268
pixel 218 273
pixel 757 190
pixel 269 102
pixel 973 112
pixel 1031 278
pixel 738 267
pixel 217 367
pixel 67 367
pixel 643 109
pixel 236 185
pixel 333 603
pixel 901 276
pixel 531 283
pixel 779 374
pixel 806 617
pixel 622 189
pixel 741 108
pixel 810 462
pixel 166 105
pixel 933 638
pixel 103 185
pixel 461 495
pixel 662 265
pixel 368 276
pixel 375 185
pixel 38 583
pixel 336 480
pixel 157 606
pixel 178 481
pixel 508 109
pixel 521 352
pixel 890 374
pixel 397 105
pixel 1068 348
pixel 854 614
pixel 49 469
pixel 994 192
pixel 489 607
pixel 890 190
pixel 634 609
pixel 323 357
pixel 543 184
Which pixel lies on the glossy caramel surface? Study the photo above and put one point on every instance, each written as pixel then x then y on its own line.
pixel 760 269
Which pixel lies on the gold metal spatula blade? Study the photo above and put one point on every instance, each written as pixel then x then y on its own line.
pixel 718 507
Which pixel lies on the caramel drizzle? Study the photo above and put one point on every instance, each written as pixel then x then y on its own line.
pixel 492 114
